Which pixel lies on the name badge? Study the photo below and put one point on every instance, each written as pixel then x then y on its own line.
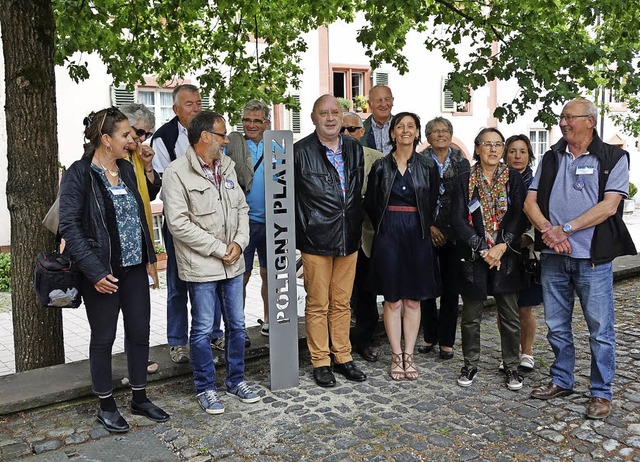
pixel 118 191
pixel 473 205
pixel 229 184
pixel 584 171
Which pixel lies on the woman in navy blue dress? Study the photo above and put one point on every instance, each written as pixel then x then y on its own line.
pixel 400 199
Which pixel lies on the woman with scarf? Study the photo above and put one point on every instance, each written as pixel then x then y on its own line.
pixel 488 221
pixel 142 121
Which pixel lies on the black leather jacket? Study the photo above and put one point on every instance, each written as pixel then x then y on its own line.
pixel 476 279
pixel 327 222
pixel 426 181
pixel 87 220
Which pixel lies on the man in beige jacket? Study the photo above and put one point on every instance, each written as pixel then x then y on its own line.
pixel 207 215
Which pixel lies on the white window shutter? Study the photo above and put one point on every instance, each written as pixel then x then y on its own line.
pixel 121 96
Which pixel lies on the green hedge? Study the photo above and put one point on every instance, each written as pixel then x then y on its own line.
pixel 632 190
pixel 5 272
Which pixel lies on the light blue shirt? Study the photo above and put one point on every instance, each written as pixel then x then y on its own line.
pixel 255 197
pixel 575 191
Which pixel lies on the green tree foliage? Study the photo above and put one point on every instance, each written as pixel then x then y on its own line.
pixel 172 38
pixel 554 49
pixel 5 272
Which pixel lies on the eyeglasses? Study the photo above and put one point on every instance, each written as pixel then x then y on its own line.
pixel 570 118
pixel 223 135
pixel 142 134
pixel 110 111
pixel 253 121
pixel 491 144
pixel 442 131
pixel 350 129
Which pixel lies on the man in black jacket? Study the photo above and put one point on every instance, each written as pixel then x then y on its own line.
pixel 575 204
pixel 328 171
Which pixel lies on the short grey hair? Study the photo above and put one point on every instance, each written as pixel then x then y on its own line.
pixel 589 107
pixel 257 105
pixel 186 87
pixel 137 113
pixel 353 114
pixel 437 120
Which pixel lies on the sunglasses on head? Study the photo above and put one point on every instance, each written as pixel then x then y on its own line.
pixel 142 134
pixel 350 129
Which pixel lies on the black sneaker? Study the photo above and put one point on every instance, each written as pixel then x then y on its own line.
pixel 467 375
pixel 514 380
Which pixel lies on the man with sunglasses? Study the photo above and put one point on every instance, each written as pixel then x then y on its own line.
pixel 363 298
pixel 575 204
pixel 247 151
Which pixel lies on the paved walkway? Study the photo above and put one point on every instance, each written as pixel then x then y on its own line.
pixel 76 326
pixel 431 419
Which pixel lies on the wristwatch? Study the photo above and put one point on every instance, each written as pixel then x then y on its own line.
pixel 567 228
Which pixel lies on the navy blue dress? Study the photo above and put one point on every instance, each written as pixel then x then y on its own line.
pixel 403 262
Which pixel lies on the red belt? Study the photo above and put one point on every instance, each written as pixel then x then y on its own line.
pixel 401 208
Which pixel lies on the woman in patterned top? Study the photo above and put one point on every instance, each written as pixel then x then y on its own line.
pixel 103 223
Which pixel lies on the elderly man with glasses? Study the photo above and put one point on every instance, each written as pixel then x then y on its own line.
pixel 575 204
pixel 363 298
pixel 247 151
pixel 207 215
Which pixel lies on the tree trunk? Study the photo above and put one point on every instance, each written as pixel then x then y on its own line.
pixel 32 154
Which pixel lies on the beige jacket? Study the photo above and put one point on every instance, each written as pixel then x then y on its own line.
pixel 370 156
pixel 204 221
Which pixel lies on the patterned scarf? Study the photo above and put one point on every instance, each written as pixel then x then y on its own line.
pixel 493 198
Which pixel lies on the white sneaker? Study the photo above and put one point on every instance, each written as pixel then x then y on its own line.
pixel 526 363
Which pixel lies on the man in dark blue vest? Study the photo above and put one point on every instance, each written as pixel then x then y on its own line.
pixel 575 204
pixel 170 142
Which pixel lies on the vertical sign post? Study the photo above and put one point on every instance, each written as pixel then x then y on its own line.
pixel 281 258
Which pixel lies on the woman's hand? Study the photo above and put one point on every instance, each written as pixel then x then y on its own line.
pixel 146 154
pixel 107 285
pixel 437 237
pixel 493 256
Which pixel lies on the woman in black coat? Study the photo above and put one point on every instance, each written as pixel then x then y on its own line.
pixel 400 200
pixel 488 221
pixel 102 221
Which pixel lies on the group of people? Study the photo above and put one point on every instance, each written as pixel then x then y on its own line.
pixel 373 217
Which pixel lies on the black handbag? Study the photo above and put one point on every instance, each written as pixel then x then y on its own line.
pixel 57 280
pixel 530 267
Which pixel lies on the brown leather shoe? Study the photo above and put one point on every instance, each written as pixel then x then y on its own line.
pixel 599 408
pixel 549 391
pixel 368 353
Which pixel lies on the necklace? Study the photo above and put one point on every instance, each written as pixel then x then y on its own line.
pixel 114 174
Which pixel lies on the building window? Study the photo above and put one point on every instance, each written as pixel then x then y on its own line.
pixel 350 83
pixel 539 142
pixel 160 102
pixel 157 230
pixel 448 104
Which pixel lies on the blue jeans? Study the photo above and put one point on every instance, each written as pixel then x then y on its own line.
pixel 204 308
pixel 563 276
pixel 177 317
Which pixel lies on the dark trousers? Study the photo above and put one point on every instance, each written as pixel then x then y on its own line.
pixel 363 303
pixel 440 327
pixel 103 310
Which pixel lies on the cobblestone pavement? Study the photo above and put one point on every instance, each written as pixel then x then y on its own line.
pixel 431 419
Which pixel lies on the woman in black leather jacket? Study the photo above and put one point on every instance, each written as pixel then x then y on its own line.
pixel 488 221
pixel 102 221
pixel 401 198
